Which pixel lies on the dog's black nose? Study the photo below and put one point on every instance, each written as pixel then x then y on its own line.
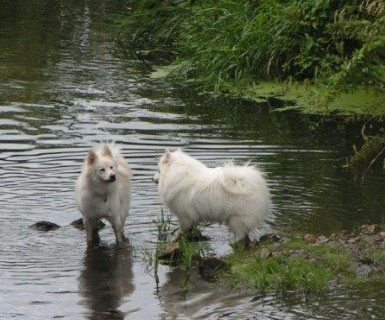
pixel 112 178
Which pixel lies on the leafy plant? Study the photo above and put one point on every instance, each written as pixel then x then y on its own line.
pixel 228 43
pixel 152 260
pixel 149 32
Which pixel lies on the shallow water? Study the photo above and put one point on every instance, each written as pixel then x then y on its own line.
pixel 61 92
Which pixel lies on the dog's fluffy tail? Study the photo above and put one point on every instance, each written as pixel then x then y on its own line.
pixel 242 179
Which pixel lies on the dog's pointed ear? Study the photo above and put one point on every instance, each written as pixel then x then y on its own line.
pixel 106 151
pixel 167 154
pixel 91 157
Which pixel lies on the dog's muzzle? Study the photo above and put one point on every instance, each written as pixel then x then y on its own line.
pixel 112 178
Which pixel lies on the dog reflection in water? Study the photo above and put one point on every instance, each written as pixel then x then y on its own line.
pixel 106 279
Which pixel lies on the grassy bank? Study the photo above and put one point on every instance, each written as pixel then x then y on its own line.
pixel 307 264
pixel 324 56
pixel 293 265
pixel 311 263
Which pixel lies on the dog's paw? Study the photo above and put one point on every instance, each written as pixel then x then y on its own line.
pixel 124 243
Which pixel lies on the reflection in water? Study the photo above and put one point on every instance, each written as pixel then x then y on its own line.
pixel 106 279
pixel 212 301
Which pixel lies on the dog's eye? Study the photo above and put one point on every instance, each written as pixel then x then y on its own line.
pixel 102 169
pixel 111 167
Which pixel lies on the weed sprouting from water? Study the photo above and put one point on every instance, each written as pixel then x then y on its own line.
pixel 152 260
pixel 164 225
pixel 189 251
pixel 182 253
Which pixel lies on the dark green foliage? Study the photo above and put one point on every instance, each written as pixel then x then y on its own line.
pixel 221 42
pixel 151 29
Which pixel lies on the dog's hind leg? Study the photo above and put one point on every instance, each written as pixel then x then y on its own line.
pixel 244 242
pixel 240 230
pixel 182 234
pixel 185 229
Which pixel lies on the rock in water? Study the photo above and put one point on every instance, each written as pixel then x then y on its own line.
pixel 45 226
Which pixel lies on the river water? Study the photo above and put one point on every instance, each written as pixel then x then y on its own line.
pixel 61 92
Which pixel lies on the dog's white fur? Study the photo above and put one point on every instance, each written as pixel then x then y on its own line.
pixel 237 196
pixel 103 190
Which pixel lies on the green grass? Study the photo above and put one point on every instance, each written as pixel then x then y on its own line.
pixel 280 275
pixel 295 266
pixel 190 251
pixel 163 225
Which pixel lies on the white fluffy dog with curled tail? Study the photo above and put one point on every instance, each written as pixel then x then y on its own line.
pixel 237 196
pixel 103 190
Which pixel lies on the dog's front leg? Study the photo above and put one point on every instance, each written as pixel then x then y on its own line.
pixel 91 227
pixel 117 226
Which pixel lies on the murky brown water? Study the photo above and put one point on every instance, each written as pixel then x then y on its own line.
pixel 61 91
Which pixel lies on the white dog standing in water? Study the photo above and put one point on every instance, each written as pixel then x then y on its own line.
pixel 103 190
pixel 237 196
